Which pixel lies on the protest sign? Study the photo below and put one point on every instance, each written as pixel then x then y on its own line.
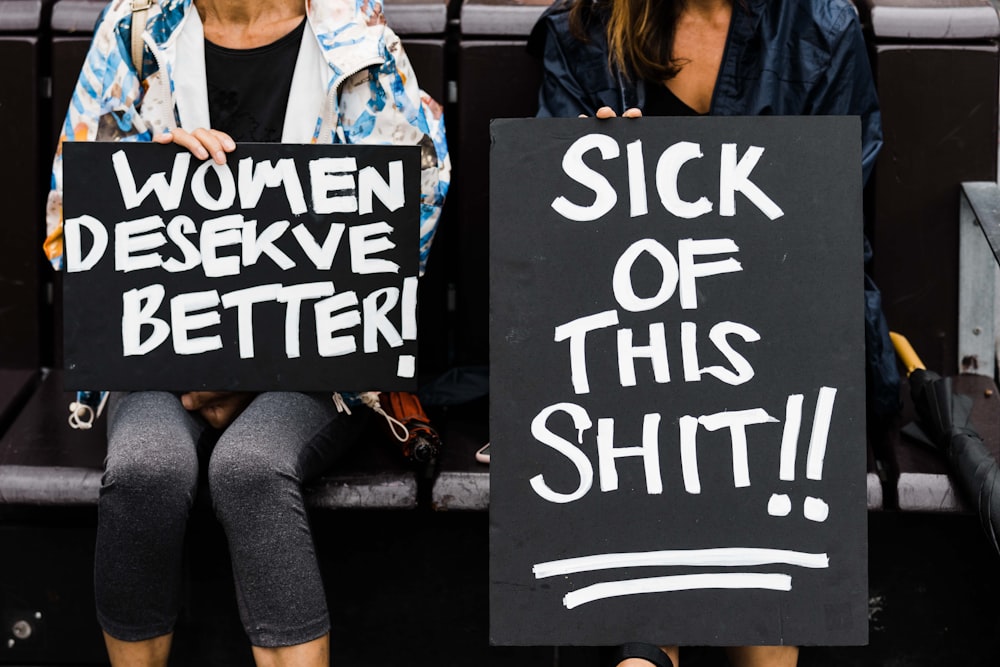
pixel 290 267
pixel 677 382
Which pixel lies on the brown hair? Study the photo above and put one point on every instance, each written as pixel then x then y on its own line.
pixel 640 35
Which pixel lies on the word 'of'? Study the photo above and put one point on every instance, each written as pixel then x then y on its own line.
pixel 736 421
pixel 734 176
pixel 334 313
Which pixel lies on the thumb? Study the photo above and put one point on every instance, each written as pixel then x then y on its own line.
pixel 195 400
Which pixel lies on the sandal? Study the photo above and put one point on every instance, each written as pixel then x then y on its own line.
pixel 647 652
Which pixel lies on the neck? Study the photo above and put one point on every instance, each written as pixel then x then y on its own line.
pixel 707 8
pixel 241 12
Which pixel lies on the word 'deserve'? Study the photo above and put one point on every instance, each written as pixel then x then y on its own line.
pixel 136 245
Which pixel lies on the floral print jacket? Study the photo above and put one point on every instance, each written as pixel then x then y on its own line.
pixel 353 84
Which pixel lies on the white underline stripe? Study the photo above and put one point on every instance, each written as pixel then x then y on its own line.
pixel 680 582
pixel 723 557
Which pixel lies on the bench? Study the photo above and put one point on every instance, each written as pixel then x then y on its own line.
pixel 459 61
pixel 470 55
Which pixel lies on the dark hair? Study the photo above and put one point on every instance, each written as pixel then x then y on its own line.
pixel 640 34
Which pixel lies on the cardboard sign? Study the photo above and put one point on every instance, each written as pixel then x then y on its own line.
pixel 289 267
pixel 677 382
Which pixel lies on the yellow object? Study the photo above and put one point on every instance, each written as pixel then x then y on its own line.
pixel 54 244
pixel 906 353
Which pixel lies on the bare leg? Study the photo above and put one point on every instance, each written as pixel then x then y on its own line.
pixel 311 654
pixel 672 651
pixel 763 656
pixel 147 653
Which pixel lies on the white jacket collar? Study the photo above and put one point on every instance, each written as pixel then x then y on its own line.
pixel 337 44
pixel 306 98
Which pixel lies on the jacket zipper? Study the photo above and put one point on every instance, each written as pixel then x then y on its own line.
pixel 169 121
pixel 329 123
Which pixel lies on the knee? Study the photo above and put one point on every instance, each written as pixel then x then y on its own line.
pixel 167 475
pixel 239 476
pixel 151 450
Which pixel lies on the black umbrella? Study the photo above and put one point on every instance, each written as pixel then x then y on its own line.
pixel 944 422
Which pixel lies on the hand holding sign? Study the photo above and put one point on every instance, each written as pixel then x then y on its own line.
pixel 608 112
pixel 202 142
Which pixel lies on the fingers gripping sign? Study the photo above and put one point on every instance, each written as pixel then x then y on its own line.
pixel 608 112
pixel 203 143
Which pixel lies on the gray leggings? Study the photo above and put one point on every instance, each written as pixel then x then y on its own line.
pixel 255 473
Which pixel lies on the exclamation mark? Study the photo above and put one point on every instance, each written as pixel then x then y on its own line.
pixel 780 504
pixel 407 365
pixel 816 509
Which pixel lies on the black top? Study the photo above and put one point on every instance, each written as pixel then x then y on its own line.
pixel 248 88
pixel 661 101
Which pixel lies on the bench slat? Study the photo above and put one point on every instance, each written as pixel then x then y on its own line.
pixel 47 486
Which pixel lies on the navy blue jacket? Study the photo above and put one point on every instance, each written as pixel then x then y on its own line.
pixel 783 58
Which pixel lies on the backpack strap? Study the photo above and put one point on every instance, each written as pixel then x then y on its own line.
pixel 140 8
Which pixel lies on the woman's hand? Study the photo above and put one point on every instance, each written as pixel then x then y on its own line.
pixel 202 142
pixel 608 112
pixel 218 408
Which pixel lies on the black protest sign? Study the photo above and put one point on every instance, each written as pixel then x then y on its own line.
pixel 290 267
pixel 677 382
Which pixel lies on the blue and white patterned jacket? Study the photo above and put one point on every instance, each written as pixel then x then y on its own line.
pixel 353 83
